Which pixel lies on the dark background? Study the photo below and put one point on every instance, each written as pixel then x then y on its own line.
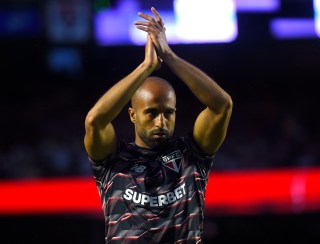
pixel 274 85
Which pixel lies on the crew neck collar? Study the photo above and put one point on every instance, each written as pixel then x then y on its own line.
pixel 156 149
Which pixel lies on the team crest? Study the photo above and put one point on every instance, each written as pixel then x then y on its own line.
pixel 172 161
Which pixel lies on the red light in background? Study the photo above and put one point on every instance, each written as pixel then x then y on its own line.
pixel 239 192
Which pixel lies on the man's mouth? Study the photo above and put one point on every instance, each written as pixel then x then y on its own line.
pixel 159 133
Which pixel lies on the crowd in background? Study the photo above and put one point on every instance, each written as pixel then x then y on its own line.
pixel 42 113
pixel 52 72
pixel 44 137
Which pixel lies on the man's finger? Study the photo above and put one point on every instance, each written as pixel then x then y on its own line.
pixel 142 28
pixel 149 30
pixel 157 15
pixel 144 23
pixel 158 23
pixel 145 16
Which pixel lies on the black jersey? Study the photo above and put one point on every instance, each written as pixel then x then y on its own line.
pixel 153 196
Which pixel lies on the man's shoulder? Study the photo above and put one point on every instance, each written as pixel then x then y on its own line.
pixel 183 143
pixel 188 142
pixel 184 139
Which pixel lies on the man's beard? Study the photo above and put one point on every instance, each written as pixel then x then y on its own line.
pixel 151 141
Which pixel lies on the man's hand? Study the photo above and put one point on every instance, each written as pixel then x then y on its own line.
pixel 151 59
pixel 155 28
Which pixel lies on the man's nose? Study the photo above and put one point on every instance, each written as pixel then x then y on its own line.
pixel 160 121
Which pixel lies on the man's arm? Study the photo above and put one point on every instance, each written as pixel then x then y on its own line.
pixel 211 125
pixel 100 138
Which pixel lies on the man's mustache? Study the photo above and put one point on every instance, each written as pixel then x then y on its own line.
pixel 160 131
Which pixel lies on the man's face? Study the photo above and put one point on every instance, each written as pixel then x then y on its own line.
pixel 154 119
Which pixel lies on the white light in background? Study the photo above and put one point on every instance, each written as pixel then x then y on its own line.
pixel 204 21
pixel 201 21
pixel 139 37
pixel 316 4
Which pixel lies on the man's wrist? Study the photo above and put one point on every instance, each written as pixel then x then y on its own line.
pixel 147 67
pixel 169 57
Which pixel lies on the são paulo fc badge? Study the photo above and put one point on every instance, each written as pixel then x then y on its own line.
pixel 172 160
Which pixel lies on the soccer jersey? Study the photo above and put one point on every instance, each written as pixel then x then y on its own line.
pixel 153 196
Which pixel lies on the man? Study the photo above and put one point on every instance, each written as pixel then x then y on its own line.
pixel 153 190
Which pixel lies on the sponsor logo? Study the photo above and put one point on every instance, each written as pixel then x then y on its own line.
pixel 137 168
pixel 155 201
pixel 172 161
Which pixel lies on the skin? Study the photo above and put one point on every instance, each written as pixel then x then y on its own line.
pixel 100 137
pixel 153 112
pixel 210 127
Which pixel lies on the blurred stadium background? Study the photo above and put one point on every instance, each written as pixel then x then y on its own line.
pixel 58 56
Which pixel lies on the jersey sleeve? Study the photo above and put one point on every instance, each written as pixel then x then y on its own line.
pixel 204 161
pixel 100 168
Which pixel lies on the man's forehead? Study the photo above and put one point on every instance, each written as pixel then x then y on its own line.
pixel 146 95
pixel 154 94
pixel 149 99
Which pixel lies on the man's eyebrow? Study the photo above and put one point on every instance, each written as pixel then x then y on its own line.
pixel 150 109
pixel 171 108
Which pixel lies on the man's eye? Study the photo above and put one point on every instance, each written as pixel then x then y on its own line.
pixel 151 113
pixel 170 112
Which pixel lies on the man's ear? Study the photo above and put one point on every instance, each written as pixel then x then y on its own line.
pixel 132 115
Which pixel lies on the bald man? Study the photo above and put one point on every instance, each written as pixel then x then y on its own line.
pixel 153 189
